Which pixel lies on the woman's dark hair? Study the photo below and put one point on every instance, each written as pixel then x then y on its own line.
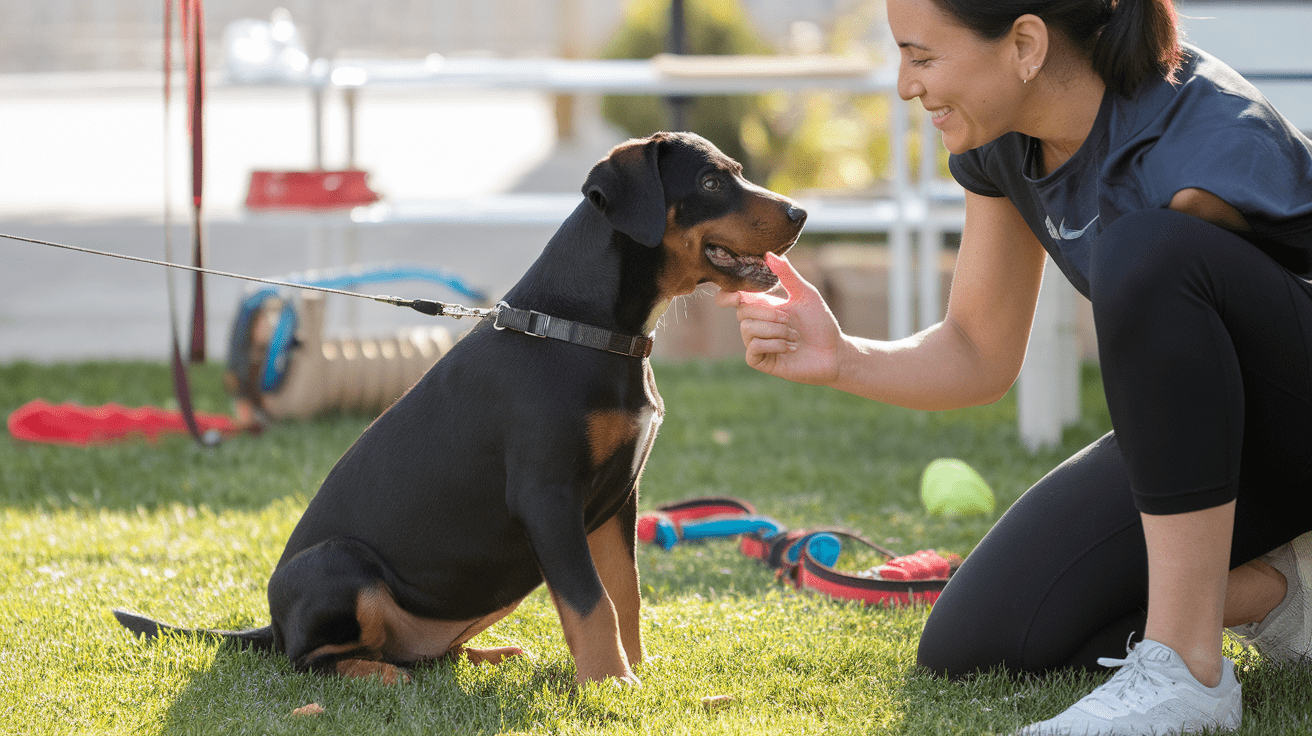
pixel 1127 41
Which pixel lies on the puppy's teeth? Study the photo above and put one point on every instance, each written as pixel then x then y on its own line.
pixel 752 268
pixel 721 257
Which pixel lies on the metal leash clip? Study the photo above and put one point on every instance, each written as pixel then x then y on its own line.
pixel 496 314
pixel 457 311
pixel 436 308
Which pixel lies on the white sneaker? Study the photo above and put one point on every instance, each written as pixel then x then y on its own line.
pixel 1153 694
pixel 1285 635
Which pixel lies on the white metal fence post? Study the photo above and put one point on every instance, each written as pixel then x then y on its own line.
pixel 1048 390
pixel 930 236
pixel 899 237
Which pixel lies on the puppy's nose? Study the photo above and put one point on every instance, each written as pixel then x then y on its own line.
pixel 796 214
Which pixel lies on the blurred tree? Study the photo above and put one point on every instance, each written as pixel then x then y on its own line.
pixel 714 27
pixel 826 140
pixel 789 141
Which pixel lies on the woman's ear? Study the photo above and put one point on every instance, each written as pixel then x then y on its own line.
pixel 1029 43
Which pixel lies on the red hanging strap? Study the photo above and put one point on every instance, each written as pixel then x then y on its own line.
pixel 181 384
pixel 193 39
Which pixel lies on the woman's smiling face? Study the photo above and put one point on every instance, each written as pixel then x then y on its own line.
pixel 970 86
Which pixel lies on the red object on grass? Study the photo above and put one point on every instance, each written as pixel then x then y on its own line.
pixel 73 424
pixel 647 524
pixel 309 190
pixel 923 565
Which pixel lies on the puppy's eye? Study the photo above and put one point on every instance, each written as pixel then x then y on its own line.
pixel 712 184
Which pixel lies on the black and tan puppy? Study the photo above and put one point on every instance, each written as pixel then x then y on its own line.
pixel 516 458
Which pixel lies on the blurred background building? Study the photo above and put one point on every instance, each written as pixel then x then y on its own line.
pixel 100 35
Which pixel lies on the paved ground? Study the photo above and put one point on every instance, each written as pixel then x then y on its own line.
pixel 83 164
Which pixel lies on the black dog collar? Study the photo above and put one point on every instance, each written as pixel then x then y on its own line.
pixel 537 324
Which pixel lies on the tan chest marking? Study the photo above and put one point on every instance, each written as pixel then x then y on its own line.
pixel 608 431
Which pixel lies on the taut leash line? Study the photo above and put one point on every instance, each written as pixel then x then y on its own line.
pixel 181 381
pixel 424 306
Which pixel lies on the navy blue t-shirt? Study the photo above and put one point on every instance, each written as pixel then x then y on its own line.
pixel 1211 130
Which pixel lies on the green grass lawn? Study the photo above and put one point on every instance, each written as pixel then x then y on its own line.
pixel 190 535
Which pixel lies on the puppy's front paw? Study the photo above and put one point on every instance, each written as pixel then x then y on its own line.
pixel 493 655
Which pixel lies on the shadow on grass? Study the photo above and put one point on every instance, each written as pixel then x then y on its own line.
pixel 245 693
pixel 252 693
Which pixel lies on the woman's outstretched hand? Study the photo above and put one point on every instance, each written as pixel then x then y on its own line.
pixel 795 337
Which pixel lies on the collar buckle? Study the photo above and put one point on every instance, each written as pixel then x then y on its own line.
pixel 538 324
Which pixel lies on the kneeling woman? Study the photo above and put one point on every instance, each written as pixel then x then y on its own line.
pixel 1174 197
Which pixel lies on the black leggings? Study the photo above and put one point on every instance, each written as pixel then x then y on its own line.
pixel 1204 344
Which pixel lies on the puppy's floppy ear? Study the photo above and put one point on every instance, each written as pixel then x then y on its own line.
pixel 626 188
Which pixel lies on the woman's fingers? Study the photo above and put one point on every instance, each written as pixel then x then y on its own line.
pixel 762 329
pixel 789 278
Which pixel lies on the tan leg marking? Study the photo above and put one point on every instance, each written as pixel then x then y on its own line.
pixel 607 431
pixel 390 674
pixel 613 558
pixel 594 641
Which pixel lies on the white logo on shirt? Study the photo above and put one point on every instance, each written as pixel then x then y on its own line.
pixel 1062 233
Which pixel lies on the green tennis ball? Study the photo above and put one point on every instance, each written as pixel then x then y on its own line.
pixel 951 487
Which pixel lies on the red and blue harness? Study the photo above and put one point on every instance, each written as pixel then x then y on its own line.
pixel 804 558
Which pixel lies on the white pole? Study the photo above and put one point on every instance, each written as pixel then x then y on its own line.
pixel 930 236
pixel 899 236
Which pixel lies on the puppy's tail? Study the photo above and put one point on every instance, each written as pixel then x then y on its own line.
pixel 260 639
